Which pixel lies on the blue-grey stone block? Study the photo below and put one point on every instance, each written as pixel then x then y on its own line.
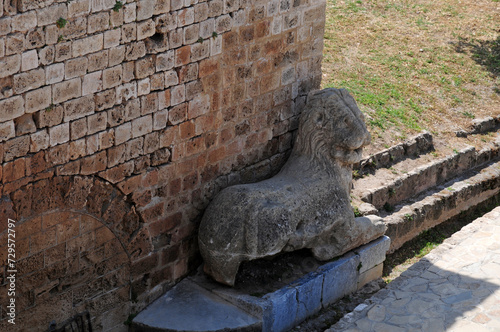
pixel 340 278
pixel 283 310
pixel 373 253
pixel 309 295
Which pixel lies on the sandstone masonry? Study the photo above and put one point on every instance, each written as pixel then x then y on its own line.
pixel 165 101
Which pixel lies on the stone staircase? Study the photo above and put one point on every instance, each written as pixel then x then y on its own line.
pixel 414 189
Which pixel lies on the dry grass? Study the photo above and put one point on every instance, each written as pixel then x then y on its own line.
pixel 415 65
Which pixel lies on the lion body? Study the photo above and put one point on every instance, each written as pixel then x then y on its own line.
pixel 306 205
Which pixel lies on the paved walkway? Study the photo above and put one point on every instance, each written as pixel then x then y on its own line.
pixel 454 288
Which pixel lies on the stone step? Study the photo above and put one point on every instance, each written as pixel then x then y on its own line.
pixel 411 148
pixel 200 304
pixel 441 204
pixel 407 185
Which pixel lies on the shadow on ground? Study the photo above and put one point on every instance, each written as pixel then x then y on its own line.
pixel 484 52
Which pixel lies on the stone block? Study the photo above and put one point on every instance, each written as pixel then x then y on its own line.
pixel 29 80
pixel 54 73
pixel 200 12
pixel 161 7
pixel 97 61
pixel 135 51
pixel 129 33
pixel 76 67
pixel 207 28
pixel 39 141
pixel 16 147
pixel 14 43
pixel 141 126
pixel 88 45
pixel 35 38
pixel 24 22
pixel 97 122
pixel 11 108
pixel 157 81
pixel 78 128
pixel 175 38
pixel 216 45
pixel 145 29
pixel 105 99
pixel 160 119
pixel 98 22
pixel 143 87
pixel 2 47
pixel 340 278
pixel 78 108
pixel 178 94
pixel 373 253
pixel 130 12
pixel 223 24
pixel 63 51
pixel 92 144
pixel 123 133
pixel 7 130
pixel 200 51
pixel 93 164
pixel 145 9
pixel 59 134
pixel 176 4
pixel 48 117
pixel 5 24
pixel 66 90
pixel 92 83
pixel 116 55
pixel 116 19
pixel 38 99
pixel 164 99
pixel 215 8
pixel 112 77
pixel 78 8
pixel 309 295
pixel 106 139
pixel 144 67
pixel 165 61
pixel 370 275
pixel 112 38
pixel 29 60
pixel 49 15
pixel 198 106
pixel 125 92
pixel 182 56
pixel 283 313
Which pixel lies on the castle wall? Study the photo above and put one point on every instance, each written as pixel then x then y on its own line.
pixel 159 104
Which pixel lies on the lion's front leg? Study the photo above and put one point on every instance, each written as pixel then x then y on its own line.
pixel 348 236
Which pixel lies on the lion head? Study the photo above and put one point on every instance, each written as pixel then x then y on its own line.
pixel 332 127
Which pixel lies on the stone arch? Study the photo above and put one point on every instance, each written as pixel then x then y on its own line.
pixel 76 240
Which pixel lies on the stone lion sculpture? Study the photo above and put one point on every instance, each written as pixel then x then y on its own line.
pixel 306 205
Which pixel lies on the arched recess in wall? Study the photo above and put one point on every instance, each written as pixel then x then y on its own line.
pixel 75 240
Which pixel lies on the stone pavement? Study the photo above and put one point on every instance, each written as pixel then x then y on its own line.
pixel 455 288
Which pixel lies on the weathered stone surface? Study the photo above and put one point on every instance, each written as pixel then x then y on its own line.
pixel 305 206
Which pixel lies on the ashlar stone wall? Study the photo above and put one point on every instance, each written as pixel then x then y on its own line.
pixel 120 120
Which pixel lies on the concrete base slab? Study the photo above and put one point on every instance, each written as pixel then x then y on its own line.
pixel 189 307
pixel 199 304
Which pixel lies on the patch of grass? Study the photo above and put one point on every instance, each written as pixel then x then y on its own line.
pixel 117 6
pixel 61 22
pixel 415 66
